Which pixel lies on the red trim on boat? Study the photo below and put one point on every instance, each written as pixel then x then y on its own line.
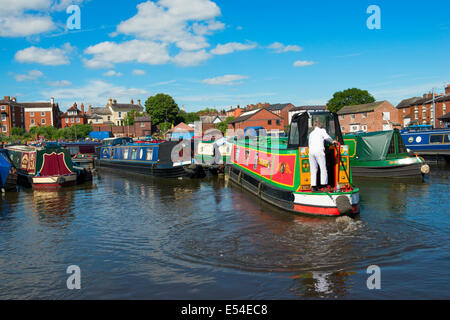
pixel 322 211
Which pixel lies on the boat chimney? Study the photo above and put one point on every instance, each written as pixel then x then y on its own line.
pixel 447 89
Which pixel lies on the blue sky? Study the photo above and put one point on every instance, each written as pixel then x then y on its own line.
pixel 222 53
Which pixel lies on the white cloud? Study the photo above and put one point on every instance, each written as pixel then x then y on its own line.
pixel 23 18
pixel 191 58
pixel 303 63
pixel 112 73
pixel 228 79
pixel 107 53
pixel 48 57
pixel 60 83
pixel 95 92
pixel 280 48
pixel 231 47
pixel 168 21
pixel 138 72
pixel 30 75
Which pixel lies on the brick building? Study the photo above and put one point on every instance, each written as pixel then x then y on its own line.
pixel 234 112
pixel 41 114
pixel 12 115
pixel 419 110
pixel 282 110
pixel 258 118
pixel 142 127
pixel 74 116
pixel 370 117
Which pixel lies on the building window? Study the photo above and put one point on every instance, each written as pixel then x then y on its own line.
pixel 444 108
pixel 32 121
pixel 4 129
pixel 278 122
pixel 120 114
pixel 72 120
pixel 78 120
pixel 96 120
pixel 342 117
pixel 364 128
pixel 42 114
pixel 269 122
pixel 31 114
pixel 386 116
pixel 67 120
pixel 142 124
pixel 3 117
pixel 3 108
pixel 364 114
pixel 43 121
pixel 353 116
pixel 109 118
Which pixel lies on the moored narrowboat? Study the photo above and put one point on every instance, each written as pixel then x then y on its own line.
pixel 8 173
pixel 277 169
pixel 426 141
pixel 48 167
pixel 170 159
pixel 213 154
pixel 383 154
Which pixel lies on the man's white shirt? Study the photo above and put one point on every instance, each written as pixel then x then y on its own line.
pixel 316 140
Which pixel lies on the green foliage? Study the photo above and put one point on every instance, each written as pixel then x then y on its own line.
pixel 162 108
pixel 187 117
pixel 78 131
pixel 165 126
pixel 223 126
pixel 349 97
pixel 129 119
pixel 208 111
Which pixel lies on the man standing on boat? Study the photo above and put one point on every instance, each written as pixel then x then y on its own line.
pixel 317 154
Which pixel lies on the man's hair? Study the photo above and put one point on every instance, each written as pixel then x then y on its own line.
pixel 318 123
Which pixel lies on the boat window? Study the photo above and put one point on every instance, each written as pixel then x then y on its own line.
pixel 141 153
pixel 255 165
pixel 294 135
pixel 436 138
pixel 125 153
pixel 236 156
pixel 446 138
pixel 133 154
pixel 112 153
pixel 392 146
pixel 150 154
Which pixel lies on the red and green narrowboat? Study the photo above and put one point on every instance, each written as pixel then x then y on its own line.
pixel 383 154
pixel 277 169
pixel 46 167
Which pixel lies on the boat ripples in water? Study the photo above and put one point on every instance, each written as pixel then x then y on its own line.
pixel 137 237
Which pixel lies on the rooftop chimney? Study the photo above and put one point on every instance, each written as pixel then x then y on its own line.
pixel 139 101
pixel 447 89
pixel 13 99
pixel 110 101
pixel 132 101
pixel 114 101
pixel 90 109
pixel 6 98
pixel 82 108
pixel 52 101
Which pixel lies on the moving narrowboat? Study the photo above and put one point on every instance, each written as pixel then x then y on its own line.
pixel 8 173
pixel 426 141
pixel 170 159
pixel 48 167
pixel 383 154
pixel 277 169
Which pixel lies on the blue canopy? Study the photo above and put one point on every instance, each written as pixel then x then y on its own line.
pixel 5 166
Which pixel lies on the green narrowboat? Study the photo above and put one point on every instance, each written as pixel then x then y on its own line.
pixel 383 154
pixel 213 154
pixel 277 169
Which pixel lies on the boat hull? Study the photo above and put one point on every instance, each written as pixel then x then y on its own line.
pixel 54 182
pixel 181 171
pixel 398 171
pixel 309 203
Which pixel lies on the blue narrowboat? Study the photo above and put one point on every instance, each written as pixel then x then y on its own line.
pixel 170 159
pixel 424 140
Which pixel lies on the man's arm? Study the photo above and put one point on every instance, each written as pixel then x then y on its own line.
pixel 326 137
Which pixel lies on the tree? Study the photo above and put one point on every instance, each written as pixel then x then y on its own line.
pixel 187 117
pixel 349 97
pixel 129 119
pixel 162 108
pixel 223 126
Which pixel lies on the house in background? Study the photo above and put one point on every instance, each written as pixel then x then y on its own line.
pixel 370 117
pixel 419 110
pixel 113 113
pixel 282 110
pixel 181 131
pixel 74 116
pixel 12 115
pixel 258 118
pixel 41 114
